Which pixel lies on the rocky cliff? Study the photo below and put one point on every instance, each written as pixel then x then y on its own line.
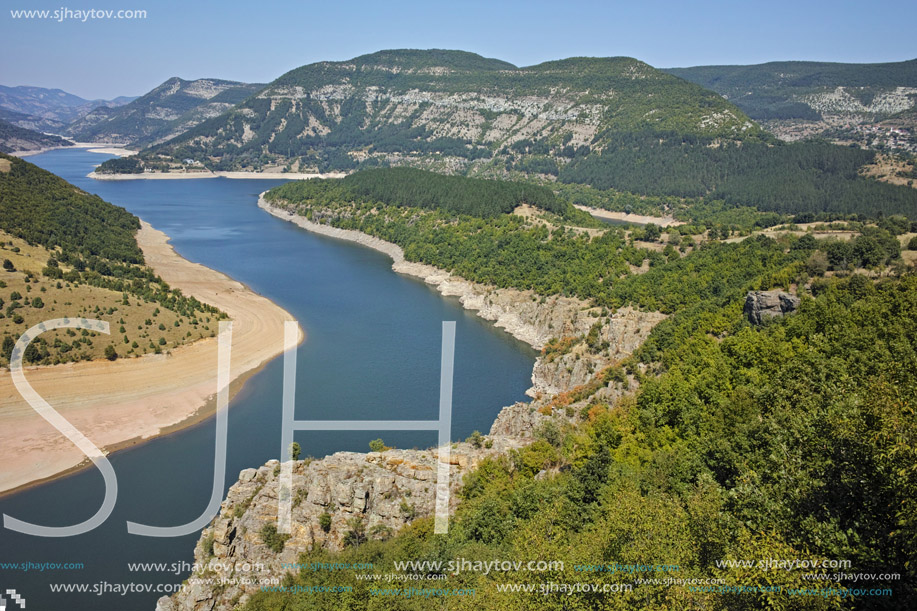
pixel 379 492
pixel 452 111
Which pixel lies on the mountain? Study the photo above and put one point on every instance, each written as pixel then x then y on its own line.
pixel 807 90
pixel 453 111
pixel 845 102
pixel 15 138
pixel 49 109
pixel 31 122
pixel 165 112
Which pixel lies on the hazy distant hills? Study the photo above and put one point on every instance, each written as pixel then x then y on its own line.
pixel 165 112
pixel 44 109
pixel 15 138
pixel 453 111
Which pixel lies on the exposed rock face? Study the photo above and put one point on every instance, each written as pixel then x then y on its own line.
pixel 386 490
pixel 383 491
pixel 167 111
pixel 762 305
pixel 487 104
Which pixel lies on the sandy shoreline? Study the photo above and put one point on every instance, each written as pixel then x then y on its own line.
pixel 234 175
pixel 122 402
pixel 95 147
pixel 640 219
pixel 113 150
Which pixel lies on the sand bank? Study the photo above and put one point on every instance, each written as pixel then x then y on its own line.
pixel 205 174
pixel 96 147
pixel 639 219
pixel 113 150
pixel 122 402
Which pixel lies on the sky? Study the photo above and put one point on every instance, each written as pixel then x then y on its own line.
pixel 257 41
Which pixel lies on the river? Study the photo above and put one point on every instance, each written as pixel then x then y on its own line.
pixel 372 352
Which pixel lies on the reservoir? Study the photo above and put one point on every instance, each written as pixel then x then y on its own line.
pixel 372 351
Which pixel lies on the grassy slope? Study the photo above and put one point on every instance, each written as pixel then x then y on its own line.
pixel 78 254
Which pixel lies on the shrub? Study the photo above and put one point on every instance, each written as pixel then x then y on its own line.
pixel 476 439
pixel 817 264
pixel 408 510
pixel 324 521
pixel 357 533
pixel 273 539
pixel 207 545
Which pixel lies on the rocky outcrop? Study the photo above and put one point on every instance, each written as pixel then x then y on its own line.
pixel 764 305
pixel 375 493
pixel 382 492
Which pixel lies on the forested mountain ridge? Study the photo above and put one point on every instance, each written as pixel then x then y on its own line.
pixel 614 124
pixel 168 110
pixel 806 90
pixel 452 111
pixel 843 102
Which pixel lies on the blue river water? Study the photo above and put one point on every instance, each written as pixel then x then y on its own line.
pixel 372 352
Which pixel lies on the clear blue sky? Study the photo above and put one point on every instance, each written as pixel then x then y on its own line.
pixel 257 41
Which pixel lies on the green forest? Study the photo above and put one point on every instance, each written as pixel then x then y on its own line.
pixel 428 219
pixel 43 209
pixel 769 91
pixel 408 187
pixel 805 177
pixel 796 439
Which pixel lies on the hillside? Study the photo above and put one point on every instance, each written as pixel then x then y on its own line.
pixel 452 111
pixel 165 112
pixel 613 124
pixel 20 119
pixel 69 253
pixel 15 139
pixel 723 436
pixel 409 187
pixel 788 178
pixel 49 109
pixel 806 90
pixel 801 99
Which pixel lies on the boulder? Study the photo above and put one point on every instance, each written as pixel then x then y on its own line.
pixel 763 305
